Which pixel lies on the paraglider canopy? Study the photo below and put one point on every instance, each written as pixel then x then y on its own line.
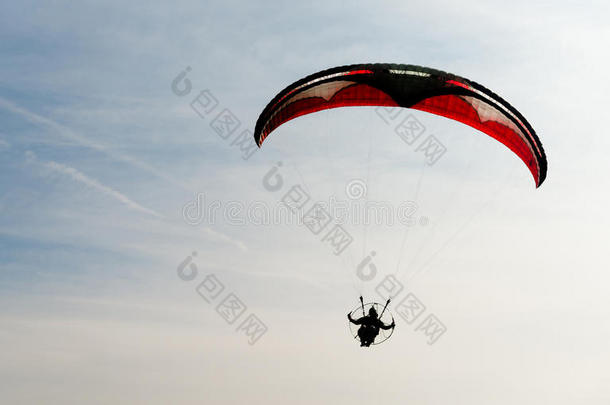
pixel 409 86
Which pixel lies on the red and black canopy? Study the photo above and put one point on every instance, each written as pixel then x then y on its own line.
pixel 409 86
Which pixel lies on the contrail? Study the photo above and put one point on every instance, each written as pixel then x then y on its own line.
pixel 226 238
pixel 90 182
pixel 67 133
pixel 70 134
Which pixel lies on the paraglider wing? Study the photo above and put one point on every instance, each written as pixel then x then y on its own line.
pixel 409 86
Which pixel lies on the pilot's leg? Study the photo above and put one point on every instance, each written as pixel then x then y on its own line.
pixel 362 335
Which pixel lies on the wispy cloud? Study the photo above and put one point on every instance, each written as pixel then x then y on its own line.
pixel 225 238
pixel 82 178
pixel 68 133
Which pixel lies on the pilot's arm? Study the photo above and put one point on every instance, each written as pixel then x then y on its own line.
pixel 354 321
pixel 386 327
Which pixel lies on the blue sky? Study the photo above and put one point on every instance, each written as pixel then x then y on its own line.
pixel 99 157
